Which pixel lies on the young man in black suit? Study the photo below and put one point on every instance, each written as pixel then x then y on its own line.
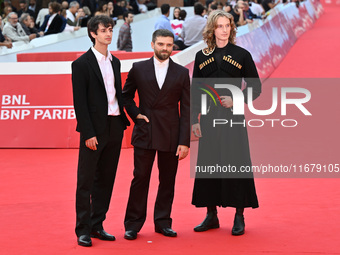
pixel 101 121
pixel 160 127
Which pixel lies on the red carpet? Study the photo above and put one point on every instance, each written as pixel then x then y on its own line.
pixel 296 216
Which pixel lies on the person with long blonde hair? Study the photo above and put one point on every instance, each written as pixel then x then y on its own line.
pixel 222 145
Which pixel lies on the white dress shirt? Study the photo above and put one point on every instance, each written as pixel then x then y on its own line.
pixel 41 16
pixel 257 9
pixel 161 69
pixel 69 15
pixel 107 73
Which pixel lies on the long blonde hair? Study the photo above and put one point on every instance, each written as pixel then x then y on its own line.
pixel 208 32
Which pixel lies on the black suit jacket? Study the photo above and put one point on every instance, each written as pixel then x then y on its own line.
pixel 168 126
pixel 54 27
pixel 89 95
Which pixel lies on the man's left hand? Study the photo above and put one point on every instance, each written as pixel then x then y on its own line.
pixel 182 151
pixel 227 101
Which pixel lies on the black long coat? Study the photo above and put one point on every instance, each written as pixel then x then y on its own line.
pixel 223 145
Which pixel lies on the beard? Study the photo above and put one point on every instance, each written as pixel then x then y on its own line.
pixel 163 55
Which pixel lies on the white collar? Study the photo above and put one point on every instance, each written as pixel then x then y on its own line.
pixel 100 56
pixel 159 63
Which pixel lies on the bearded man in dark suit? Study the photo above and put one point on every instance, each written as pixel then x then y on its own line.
pixel 160 127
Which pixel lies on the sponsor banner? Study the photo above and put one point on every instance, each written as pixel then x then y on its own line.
pixel 71 56
pixel 36 111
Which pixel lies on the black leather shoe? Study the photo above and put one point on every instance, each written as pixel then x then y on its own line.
pixel 102 235
pixel 84 240
pixel 210 221
pixel 166 232
pixel 130 234
pixel 239 225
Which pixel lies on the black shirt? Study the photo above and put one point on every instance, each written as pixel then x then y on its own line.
pixel 230 61
pixel 30 12
pixel 236 17
pixel 265 4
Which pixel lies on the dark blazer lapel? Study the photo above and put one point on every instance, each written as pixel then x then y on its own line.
pixel 151 73
pixel 94 64
pixel 52 25
pixel 116 73
pixel 117 83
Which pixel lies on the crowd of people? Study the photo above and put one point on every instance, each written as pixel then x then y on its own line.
pixel 29 23
pixel 32 21
pixel 189 31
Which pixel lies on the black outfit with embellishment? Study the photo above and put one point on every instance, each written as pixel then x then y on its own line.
pixel 224 145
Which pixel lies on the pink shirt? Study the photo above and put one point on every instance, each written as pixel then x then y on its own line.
pixel 107 73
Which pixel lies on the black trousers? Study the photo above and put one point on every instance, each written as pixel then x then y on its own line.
pixel 96 175
pixel 136 209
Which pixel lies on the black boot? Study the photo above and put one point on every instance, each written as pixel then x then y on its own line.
pixel 210 221
pixel 238 228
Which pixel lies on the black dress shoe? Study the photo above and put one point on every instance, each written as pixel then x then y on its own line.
pixel 130 234
pixel 84 240
pixel 239 225
pixel 166 231
pixel 210 221
pixel 102 235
